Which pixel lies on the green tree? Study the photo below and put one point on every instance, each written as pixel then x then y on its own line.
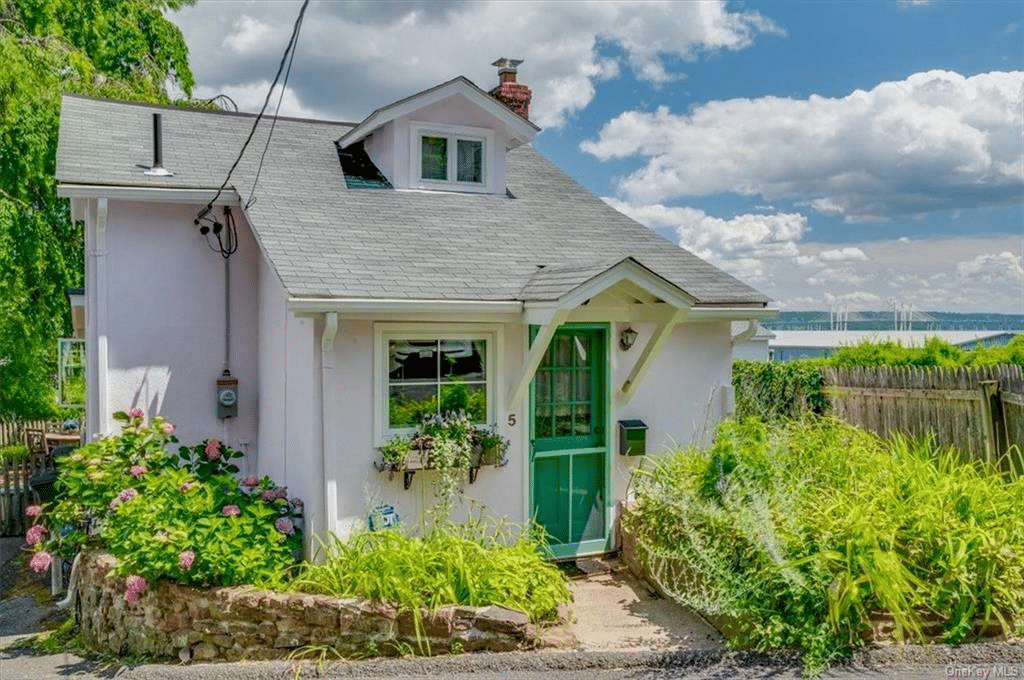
pixel 124 49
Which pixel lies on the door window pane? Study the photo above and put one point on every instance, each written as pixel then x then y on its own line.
pixel 543 379
pixel 563 350
pixel 563 420
pixel 542 421
pixel 582 419
pixel 582 385
pixel 470 161
pixel 562 385
pixel 434 164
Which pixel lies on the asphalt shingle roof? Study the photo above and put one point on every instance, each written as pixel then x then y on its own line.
pixel 326 240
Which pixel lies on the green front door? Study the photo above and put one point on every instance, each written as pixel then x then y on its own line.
pixel 569 441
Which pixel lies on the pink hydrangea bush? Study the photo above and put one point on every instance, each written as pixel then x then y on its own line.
pixel 134 586
pixel 186 518
pixel 40 561
pixel 34 535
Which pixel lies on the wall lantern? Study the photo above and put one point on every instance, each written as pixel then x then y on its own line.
pixel 627 338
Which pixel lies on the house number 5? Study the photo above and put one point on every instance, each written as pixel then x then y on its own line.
pixel 511 419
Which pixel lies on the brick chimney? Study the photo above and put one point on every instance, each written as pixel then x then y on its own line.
pixel 515 96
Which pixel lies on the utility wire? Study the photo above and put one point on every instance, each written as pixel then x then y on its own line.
pixel 203 214
pixel 273 122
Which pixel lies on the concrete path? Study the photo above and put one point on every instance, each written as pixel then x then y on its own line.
pixel 615 612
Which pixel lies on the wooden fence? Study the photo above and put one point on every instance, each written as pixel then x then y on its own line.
pixel 979 410
pixel 13 431
pixel 15 493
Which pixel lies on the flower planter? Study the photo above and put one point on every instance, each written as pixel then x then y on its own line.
pixel 489 456
pixel 419 459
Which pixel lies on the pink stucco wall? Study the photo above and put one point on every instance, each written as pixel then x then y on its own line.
pixel 679 399
pixel 165 321
pixel 165 332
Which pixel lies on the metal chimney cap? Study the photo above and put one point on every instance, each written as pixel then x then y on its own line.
pixel 505 64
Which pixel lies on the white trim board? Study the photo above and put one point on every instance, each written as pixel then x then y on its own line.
pixel 520 131
pixel 148 194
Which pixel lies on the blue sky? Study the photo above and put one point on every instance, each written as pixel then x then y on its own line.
pixel 855 153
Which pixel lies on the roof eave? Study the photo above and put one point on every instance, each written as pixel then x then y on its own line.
pixel 151 194
pixel 738 312
pixel 377 307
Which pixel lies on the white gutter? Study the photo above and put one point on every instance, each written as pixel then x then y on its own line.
pixel 149 194
pixel 327 506
pixel 307 305
pixel 731 313
pixel 359 306
pixel 747 333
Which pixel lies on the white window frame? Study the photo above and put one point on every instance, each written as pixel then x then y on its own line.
pixel 453 133
pixel 384 332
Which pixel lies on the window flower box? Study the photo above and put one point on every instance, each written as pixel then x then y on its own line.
pixel 444 442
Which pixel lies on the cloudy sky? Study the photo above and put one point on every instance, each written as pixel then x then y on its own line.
pixel 835 152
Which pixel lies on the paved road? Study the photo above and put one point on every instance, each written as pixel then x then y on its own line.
pixel 535 666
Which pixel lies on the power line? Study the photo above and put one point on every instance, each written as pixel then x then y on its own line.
pixel 280 98
pixel 203 216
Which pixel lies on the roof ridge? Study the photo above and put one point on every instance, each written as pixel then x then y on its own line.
pixel 189 109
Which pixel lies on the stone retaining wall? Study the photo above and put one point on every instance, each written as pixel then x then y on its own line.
pixel 232 624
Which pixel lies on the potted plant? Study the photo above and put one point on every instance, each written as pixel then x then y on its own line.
pixel 395 454
pixel 444 442
pixel 489 446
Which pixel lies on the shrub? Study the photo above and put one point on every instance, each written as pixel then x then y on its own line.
pixel 13 453
pixel 184 517
pixel 450 565
pixel 935 352
pixel 770 390
pixel 803 532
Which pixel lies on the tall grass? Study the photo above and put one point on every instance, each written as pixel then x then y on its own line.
pixel 805 532
pixel 449 565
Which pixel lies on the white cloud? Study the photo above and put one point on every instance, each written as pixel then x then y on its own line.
pixel 935 141
pixel 356 56
pixel 250 97
pixel 860 298
pixel 845 276
pixel 738 243
pixel 843 254
pixel 250 35
pixel 988 268
pixel 821 259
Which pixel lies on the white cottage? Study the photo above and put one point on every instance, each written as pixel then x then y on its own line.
pixel 354 270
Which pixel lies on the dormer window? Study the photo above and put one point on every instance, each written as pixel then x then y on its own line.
pixel 451 158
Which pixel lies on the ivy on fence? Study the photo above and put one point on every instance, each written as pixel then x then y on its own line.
pixel 773 391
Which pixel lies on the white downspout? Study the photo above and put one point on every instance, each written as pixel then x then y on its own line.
pixel 99 255
pixel 747 333
pixel 327 505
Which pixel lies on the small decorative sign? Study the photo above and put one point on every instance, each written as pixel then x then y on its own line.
pixel 383 517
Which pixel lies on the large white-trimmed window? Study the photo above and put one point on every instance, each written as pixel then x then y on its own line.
pixel 429 369
pixel 452 158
